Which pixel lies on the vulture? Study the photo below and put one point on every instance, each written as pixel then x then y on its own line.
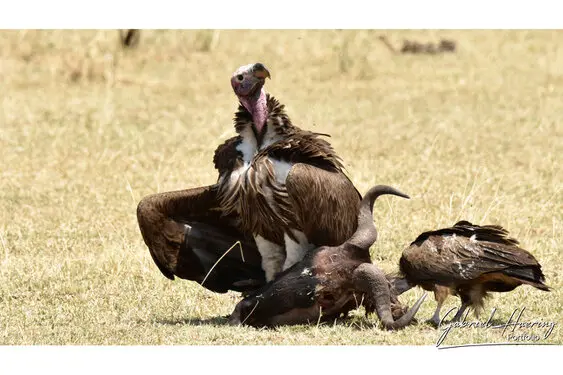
pixel 329 281
pixel 278 185
pixel 469 261
pixel 285 185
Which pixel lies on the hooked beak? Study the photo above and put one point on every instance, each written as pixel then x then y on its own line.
pixel 260 71
pixel 249 79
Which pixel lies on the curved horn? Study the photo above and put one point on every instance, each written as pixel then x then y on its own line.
pixel 366 233
pixel 371 281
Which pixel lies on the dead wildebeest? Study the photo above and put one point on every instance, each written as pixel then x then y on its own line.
pixel 328 282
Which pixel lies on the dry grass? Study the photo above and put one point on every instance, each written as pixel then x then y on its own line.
pixel 86 130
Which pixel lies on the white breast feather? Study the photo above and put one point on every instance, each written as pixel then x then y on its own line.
pixel 248 146
pixel 281 169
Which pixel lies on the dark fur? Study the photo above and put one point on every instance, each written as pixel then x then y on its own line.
pixel 328 282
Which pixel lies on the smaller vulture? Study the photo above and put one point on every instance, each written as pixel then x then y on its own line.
pixel 469 261
pixel 329 281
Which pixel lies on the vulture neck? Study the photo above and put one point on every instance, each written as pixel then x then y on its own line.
pixel 261 121
pixel 258 107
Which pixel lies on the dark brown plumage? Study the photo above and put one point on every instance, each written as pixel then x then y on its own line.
pixel 186 235
pixel 313 198
pixel 287 185
pixel 469 261
pixel 316 183
pixel 188 231
pixel 329 281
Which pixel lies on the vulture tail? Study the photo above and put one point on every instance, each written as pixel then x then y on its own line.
pixel 399 284
pixel 528 275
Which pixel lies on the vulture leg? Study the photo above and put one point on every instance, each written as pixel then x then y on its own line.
pixel 440 294
pixel 464 305
pixel 371 281
pixel 187 237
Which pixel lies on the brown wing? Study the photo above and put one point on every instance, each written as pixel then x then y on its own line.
pixel 325 203
pixel 227 156
pixel 305 147
pixel 162 219
pixel 453 256
pixel 490 233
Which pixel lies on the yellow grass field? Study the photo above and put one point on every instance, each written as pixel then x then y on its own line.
pixel 87 129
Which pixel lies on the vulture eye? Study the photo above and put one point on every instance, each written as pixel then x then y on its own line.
pixel 240 77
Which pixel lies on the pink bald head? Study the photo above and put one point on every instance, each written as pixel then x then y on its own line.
pixel 247 82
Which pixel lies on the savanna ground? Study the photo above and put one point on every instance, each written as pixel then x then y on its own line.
pixel 87 130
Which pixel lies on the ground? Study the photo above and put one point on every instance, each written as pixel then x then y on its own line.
pixel 87 130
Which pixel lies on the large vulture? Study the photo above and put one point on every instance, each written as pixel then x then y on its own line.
pixel 330 281
pixel 469 261
pixel 277 184
pixel 286 184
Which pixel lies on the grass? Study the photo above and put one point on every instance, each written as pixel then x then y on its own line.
pixel 87 130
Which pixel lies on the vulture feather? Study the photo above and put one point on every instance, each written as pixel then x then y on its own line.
pixel 187 235
pixel 277 185
pixel 469 261
pixel 330 281
pixel 287 185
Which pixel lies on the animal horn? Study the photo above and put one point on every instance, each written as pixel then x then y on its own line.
pixel 366 233
pixel 371 281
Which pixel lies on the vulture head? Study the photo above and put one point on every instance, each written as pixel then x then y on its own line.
pixel 248 82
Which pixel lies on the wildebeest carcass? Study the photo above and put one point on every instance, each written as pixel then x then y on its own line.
pixel 329 281
pixel 469 261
